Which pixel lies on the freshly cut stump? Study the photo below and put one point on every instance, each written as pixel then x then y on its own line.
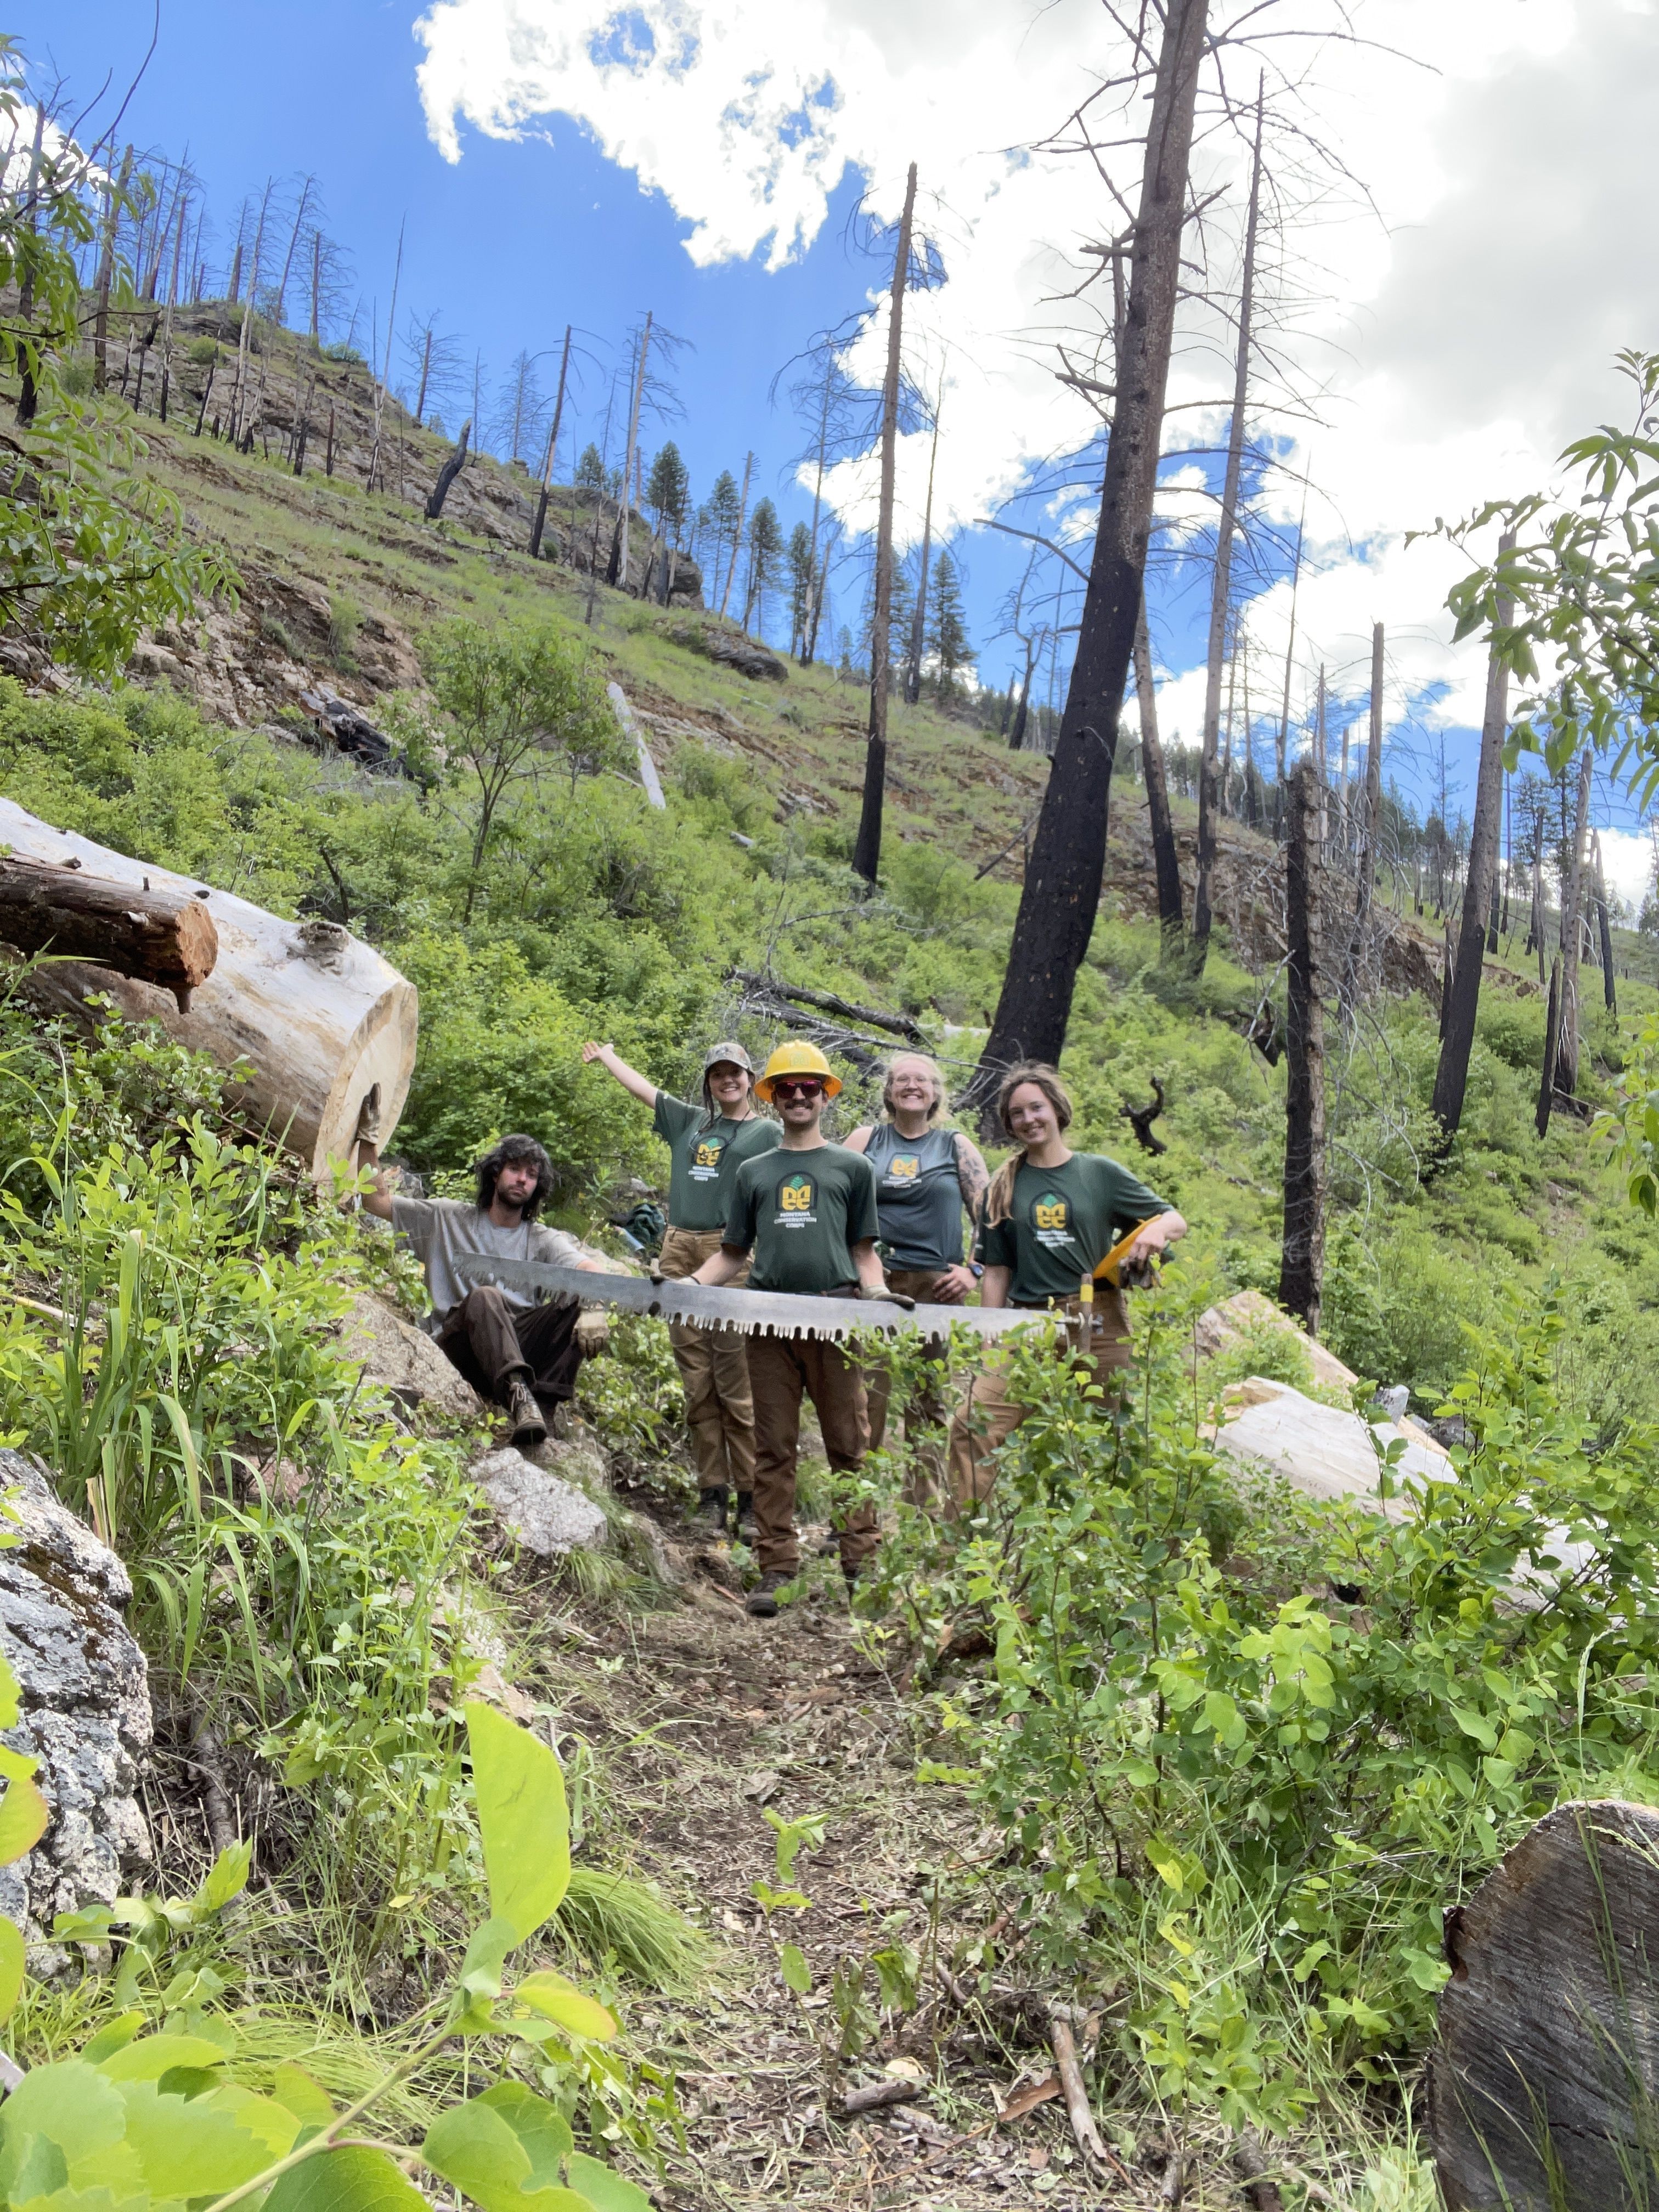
pixel 322 1022
pixel 1544 2089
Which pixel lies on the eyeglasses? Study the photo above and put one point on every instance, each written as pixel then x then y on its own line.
pixel 783 1088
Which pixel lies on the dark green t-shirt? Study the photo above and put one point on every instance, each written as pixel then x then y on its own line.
pixel 705 1156
pixel 1064 1222
pixel 802 1212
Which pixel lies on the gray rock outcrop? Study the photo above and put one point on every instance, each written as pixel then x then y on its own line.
pixel 84 1708
pixel 406 1362
pixel 539 1510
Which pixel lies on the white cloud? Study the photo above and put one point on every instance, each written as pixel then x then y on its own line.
pixel 1463 337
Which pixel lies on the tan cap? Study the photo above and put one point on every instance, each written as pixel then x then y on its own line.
pixel 730 1049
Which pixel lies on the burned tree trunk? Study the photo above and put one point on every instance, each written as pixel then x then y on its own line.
pixel 1552 1047
pixel 1369 835
pixel 1062 891
pixel 866 852
pixel 446 475
pixel 1302 1265
pixel 1572 933
pixel 1604 926
pixel 552 448
pixel 1166 859
pixel 167 938
pixel 1480 888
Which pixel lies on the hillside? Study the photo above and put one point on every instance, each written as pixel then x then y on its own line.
pixel 954 1820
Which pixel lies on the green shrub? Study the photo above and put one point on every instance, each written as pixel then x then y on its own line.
pixel 345 619
pixel 202 351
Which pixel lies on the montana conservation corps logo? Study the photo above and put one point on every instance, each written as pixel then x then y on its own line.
pixel 1050 1217
pixel 795 1202
pixel 904 1166
pixel 705 1159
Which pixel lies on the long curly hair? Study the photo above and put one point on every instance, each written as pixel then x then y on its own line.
pixel 508 1153
pixel 999 1198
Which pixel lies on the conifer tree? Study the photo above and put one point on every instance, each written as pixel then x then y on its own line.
pixel 947 625
pixel 590 470
pixel 800 588
pixel 722 519
pixel 765 546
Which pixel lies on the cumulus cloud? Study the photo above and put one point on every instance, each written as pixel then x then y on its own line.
pixel 1459 324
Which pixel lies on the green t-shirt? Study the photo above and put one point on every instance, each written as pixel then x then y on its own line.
pixel 1064 1222
pixel 705 1156
pixel 801 1213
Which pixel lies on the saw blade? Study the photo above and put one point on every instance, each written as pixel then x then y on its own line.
pixel 751 1313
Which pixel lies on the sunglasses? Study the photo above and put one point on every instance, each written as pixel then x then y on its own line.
pixel 783 1088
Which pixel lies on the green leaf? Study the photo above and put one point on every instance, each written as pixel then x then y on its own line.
pixel 7 1690
pixel 71 2104
pixel 36 2170
pixel 556 1999
pixel 345 2181
pixel 152 2055
pixel 113 2036
pixel 486 1958
pixel 227 1877
pixel 796 1972
pixel 604 2191
pixel 192 2149
pixel 541 2128
pixel 23 1818
pixel 476 2146
pixel 294 2090
pixel 522 1819
pixel 11 1966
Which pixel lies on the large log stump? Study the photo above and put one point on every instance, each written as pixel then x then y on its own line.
pixel 1544 2090
pixel 319 1019
pixel 158 937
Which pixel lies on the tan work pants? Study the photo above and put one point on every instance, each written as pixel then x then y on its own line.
pixel 781 1369
pixel 924 1416
pixel 713 1364
pixel 988 1416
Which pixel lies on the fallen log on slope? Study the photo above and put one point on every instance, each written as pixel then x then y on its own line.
pixel 167 938
pixel 321 1021
pixel 903 1026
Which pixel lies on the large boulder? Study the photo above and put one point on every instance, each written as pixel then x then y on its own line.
pixel 1320 1450
pixel 406 1362
pixel 84 1705
pixel 537 1508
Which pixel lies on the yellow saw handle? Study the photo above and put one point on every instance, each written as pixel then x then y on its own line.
pixel 1108 1271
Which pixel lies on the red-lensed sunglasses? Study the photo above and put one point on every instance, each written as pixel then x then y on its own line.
pixel 784 1088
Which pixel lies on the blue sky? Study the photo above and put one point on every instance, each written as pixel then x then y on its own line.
pixel 1432 407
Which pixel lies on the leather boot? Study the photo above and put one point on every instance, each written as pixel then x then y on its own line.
pixel 529 1428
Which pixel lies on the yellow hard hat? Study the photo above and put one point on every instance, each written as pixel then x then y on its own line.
pixel 797 1060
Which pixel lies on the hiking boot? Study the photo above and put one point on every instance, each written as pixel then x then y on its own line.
pixel 762 1601
pixel 850 1570
pixel 711 1508
pixel 746 1517
pixel 529 1428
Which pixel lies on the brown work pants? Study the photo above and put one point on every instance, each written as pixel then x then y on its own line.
pixel 782 1369
pixel 713 1364
pixel 492 1340
pixel 924 1416
pixel 988 1416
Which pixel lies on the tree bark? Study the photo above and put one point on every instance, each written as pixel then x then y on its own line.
pixel 1302 1265
pixel 27 391
pixel 913 666
pixel 1572 933
pixel 1166 858
pixel 446 475
pixel 1061 891
pixel 1281 743
pixel 866 852
pixel 1552 1047
pixel 162 938
pixel 633 436
pixel 737 538
pixel 1479 887
pixel 106 277
pixel 1210 800
pixel 1604 924
pixel 552 442
pixel 1369 831
pixel 320 1020
pixel 1017 735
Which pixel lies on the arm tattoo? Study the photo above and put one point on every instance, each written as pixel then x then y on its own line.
pixel 972 1174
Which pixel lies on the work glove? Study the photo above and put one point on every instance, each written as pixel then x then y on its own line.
pixel 369 1120
pixel 888 1297
pixel 592 1331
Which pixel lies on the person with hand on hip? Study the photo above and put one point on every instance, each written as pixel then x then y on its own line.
pixel 1051 1217
pixel 706 1145
pixel 807 1212
pixel 927 1179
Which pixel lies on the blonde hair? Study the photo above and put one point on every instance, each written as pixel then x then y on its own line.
pixel 999 1198
pixel 936 1075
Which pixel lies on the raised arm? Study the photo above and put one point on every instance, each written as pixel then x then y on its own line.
pixel 611 1059
pixel 1156 1236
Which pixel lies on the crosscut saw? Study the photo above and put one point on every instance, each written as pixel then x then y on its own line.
pixel 750 1313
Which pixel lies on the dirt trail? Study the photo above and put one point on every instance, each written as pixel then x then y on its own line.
pixel 709 1717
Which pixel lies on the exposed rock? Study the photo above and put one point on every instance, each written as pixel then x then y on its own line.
pixel 84 1707
pixel 1320 1449
pixel 340 725
pixel 731 649
pixel 1223 1326
pixel 406 1362
pixel 547 1516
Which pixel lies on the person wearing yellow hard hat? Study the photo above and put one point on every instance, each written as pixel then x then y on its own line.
pixel 807 1213
pixel 708 1143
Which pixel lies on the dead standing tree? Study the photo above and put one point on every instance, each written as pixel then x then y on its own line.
pixel 867 851
pixel 1302 1265
pixel 1061 890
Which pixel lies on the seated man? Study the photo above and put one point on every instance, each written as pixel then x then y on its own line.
pixel 523 1355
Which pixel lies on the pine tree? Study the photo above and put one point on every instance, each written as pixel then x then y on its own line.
pixel 947 625
pixel 902 607
pixel 800 587
pixel 667 491
pixel 765 545
pixel 590 470
pixel 722 519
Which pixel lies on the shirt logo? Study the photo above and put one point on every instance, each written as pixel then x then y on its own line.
pixel 796 1196
pixel 904 1166
pixel 1051 1213
pixel 706 1160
